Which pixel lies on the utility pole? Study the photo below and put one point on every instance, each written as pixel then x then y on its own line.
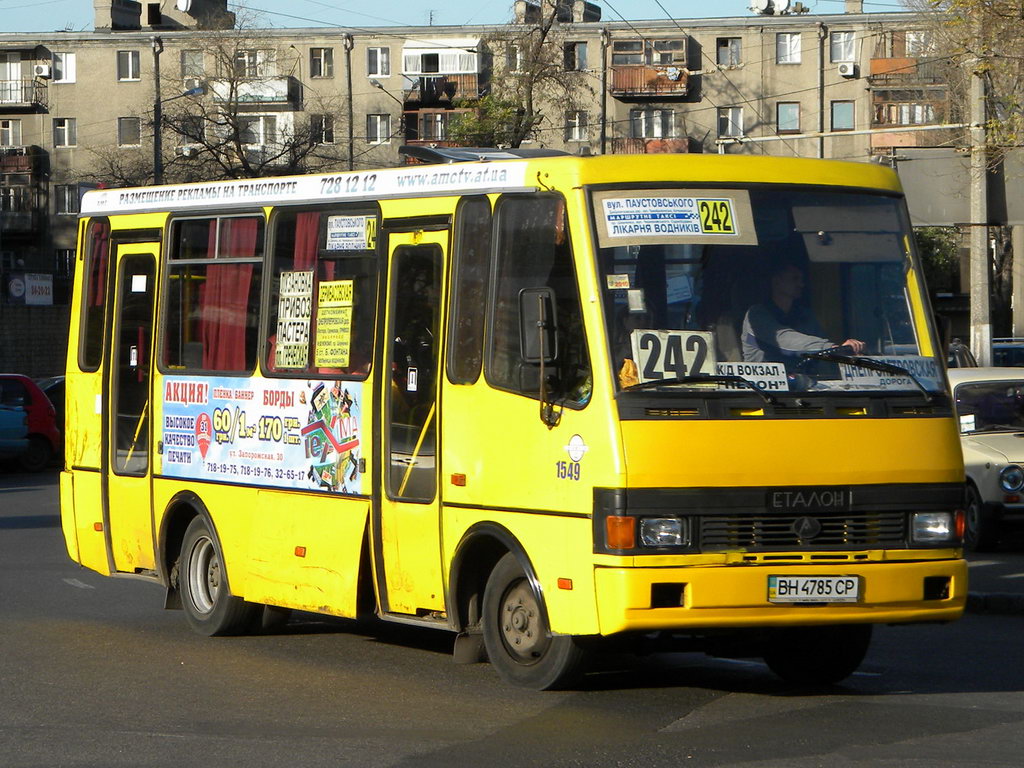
pixel 980 271
pixel 158 115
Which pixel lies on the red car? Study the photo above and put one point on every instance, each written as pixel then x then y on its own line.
pixel 44 439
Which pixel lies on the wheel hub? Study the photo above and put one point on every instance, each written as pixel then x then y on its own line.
pixel 521 623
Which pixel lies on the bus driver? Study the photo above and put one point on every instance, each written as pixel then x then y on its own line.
pixel 780 330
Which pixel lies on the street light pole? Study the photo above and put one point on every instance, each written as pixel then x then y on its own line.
pixel 158 115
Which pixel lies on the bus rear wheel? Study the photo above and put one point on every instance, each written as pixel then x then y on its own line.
pixel 518 640
pixel 210 608
pixel 817 655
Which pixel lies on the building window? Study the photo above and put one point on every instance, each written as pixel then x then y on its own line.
pixel 918 43
pixel 576 125
pixel 321 128
pixel 648 52
pixel 575 55
pixel 433 126
pixel 728 49
pixel 257 130
pixel 192 69
pixel 63 67
pixel 651 123
pixel 127 65
pixel 129 131
pixel 65 199
pixel 10 133
pixel 253 62
pixel 787 117
pixel 321 62
pixel 514 58
pixel 378 62
pixel 378 129
pixel 64 132
pixel 905 114
pixel 841 47
pixel 842 115
pixel 787 48
pixel 730 122
pixel 64 262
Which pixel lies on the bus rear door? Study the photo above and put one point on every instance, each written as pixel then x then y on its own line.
pixel 408 531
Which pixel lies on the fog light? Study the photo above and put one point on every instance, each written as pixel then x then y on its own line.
pixel 932 527
pixel 1011 478
pixel 661 532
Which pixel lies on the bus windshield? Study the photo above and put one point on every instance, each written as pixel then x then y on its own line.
pixel 793 290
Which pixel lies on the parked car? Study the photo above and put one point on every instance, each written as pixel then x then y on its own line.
pixel 1008 352
pixel 13 432
pixel 53 388
pixel 44 438
pixel 990 408
pixel 960 355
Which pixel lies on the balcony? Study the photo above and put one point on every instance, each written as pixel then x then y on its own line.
pixel 649 82
pixel 908 72
pixel 258 93
pixel 26 93
pixel 17 221
pixel 432 89
pixel 651 146
pixel 19 159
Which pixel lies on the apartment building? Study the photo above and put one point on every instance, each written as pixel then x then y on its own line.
pixel 81 109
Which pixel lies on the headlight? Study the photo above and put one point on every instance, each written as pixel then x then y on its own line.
pixel 1011 478
pixel 933 527
pixel 662 532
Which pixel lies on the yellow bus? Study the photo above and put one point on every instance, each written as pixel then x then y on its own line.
pixel 532 400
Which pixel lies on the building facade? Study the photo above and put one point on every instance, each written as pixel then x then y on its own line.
pixel 79 110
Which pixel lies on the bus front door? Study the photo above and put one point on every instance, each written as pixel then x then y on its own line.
pixel 128 507
pixel 408 537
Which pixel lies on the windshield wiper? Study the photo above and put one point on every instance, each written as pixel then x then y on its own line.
pixel 716 378
pixel 869 363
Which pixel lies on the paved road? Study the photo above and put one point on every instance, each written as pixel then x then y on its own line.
pixel 94 673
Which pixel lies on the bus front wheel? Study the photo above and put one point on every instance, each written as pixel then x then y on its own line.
pixel 518 640
pixel 817 655
pixel 210 608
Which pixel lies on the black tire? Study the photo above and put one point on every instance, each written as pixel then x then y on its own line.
pixel 37 456
pixel 206 598
pixel 981 532
pixel 818 655
pixel 518 640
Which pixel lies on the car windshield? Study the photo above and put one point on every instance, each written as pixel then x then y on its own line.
pixel 760 283
pixel 991 406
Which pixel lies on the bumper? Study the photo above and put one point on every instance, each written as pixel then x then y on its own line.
pixel 737 596
pixel 1010 514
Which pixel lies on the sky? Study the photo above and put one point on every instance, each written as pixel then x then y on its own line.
pixel 77 15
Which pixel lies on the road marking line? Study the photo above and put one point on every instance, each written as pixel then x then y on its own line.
pixel 78 584
pixel 1013 576
pixel 979 563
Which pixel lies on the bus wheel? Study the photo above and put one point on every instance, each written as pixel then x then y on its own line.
pixel 980 533
pixel 818 655
pixel 516 634
pixel 210 609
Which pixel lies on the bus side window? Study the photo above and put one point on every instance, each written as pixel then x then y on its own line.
pixel 97 253
pixel 472 270
pixel 534 251
pixel 213 294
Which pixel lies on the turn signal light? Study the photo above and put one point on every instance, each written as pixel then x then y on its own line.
pixel 97 526
pixel 960 523
pixel 620 532
pixel 300 551
pixel 564 583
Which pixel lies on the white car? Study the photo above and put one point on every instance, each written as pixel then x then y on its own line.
pixel 990 409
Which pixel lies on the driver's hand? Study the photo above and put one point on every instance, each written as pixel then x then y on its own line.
pixel 856 345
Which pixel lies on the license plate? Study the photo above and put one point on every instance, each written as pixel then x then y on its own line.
pixel 813 589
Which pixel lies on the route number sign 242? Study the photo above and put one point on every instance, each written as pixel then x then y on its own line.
pixel 672 354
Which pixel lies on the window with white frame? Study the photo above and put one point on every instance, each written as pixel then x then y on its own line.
pixel 378 62
pixel 576 125
pixel 910 114
pixel 651 123
pixel 787 117
pixel 258 130
pixel 513 58
pixel 254 62
pixel 65 199
pixel 10 133
pixel 129 131
pixel 192 68
pixel 649 52
pixel 321 129
pixel 728 50
pixel 433 126
pixel 787 48
pixel 63 67
pixel 842 115
pixel 128 65
pixel 918 43
pixel 448 61
pixel 321 62
pixel 65 133
pixel 575 55
pixel 730 122
pixel 378 129
pixel 841 47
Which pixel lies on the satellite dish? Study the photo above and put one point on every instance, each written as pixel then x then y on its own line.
pixel 183 5
pixel 781 6
pixel 761 6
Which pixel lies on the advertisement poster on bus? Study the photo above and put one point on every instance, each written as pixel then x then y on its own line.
pixel 281 433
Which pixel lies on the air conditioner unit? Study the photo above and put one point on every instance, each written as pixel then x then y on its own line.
pixel 847 69
pixel 185 151
pixel 42 70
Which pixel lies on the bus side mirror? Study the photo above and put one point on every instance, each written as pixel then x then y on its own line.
pixel 538 325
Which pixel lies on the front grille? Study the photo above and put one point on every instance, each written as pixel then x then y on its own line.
pixel 866 530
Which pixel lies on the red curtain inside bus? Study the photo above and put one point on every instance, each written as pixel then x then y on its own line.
pixel 224 297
